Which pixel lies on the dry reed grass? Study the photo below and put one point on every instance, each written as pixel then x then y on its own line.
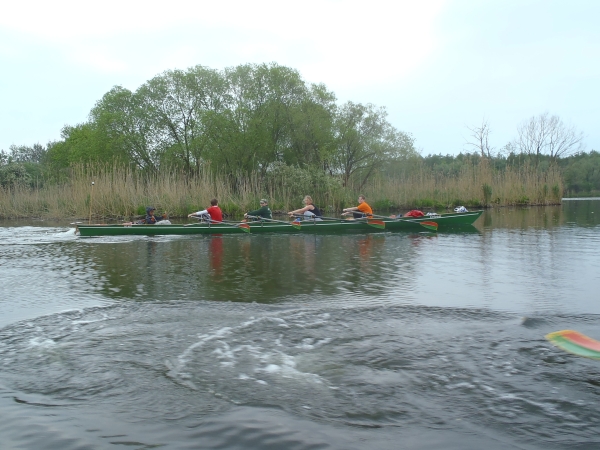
pixel 120 193
pixel 476 185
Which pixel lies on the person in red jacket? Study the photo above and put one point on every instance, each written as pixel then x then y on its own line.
pixel 213 213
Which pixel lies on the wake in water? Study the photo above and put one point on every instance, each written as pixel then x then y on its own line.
pixel 390 367
pixel 35 235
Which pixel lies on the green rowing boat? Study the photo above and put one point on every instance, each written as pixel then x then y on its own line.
pixel 437 222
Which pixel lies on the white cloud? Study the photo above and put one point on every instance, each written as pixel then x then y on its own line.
pixel 436 65
pixel 346 42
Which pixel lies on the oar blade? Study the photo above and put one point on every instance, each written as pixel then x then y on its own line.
pixel 296 225
pixel 376 223
pixel 429 225
pixel 244 227
pixel 574 342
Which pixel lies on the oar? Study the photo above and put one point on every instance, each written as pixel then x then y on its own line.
pixel 373 221
pixel 430 225
pixel 294 224
pixel 576 343
pixel 241 225
pixel 302 216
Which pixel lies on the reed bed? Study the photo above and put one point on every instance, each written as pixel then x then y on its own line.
pixel 476 186
pixel 121 193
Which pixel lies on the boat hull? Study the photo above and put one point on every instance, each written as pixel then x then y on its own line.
pixel 444 222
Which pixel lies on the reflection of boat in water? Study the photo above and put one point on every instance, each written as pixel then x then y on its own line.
pixel 442 222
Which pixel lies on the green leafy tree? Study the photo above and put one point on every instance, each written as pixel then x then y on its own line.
pixel 365 142
pixel 124 130
pixel 582 172
pixel 12 174
pixel 24 153
pixel 255 130
pixel 312 140
pixel 180 107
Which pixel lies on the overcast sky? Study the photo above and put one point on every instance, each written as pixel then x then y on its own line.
pixel 438 66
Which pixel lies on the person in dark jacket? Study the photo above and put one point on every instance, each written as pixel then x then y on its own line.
pixel 264 211
pixel 151 219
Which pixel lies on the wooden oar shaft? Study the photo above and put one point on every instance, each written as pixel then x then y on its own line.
pixel 242 225
pixel 318 217
pixel 383 217
pixel 270 220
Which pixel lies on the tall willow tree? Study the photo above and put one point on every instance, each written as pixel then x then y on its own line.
pixel 180 107
pixel 271 116
pixel 243 120
pixel 365 140
pixel 122 119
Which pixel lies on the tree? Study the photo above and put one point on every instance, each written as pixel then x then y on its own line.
pixel 582 172
pixel 365 141
pixel 545 134
pixel 121 120
pixel 179 106
pixel 480 138
pixel 270 116
pixel 24 153
pixel 12 174
pixel 311 130
pixel 82 144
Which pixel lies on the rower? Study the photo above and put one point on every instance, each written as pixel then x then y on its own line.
pixel 362 210
pixel 309 210
pixel 264 211
pixel 151 219
pixel 212 213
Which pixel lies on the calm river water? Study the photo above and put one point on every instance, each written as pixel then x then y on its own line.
pixel 386 341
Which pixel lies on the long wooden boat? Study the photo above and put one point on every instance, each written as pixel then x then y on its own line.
pixel 441 222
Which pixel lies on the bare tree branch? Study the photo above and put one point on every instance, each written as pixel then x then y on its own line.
pixel 545 134
pixel 480 136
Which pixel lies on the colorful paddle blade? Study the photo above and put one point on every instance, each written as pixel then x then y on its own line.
pixel 244 227
pixel 576 343
pixel 296 225
pixel 376 223
pixel 429 225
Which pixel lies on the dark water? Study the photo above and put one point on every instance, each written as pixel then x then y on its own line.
pixel 413 341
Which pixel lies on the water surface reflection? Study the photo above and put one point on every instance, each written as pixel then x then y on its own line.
pixel 427 340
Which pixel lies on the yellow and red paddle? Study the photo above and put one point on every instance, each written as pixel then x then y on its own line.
pixel 376 223
pixel 429 225
pixel 576 343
